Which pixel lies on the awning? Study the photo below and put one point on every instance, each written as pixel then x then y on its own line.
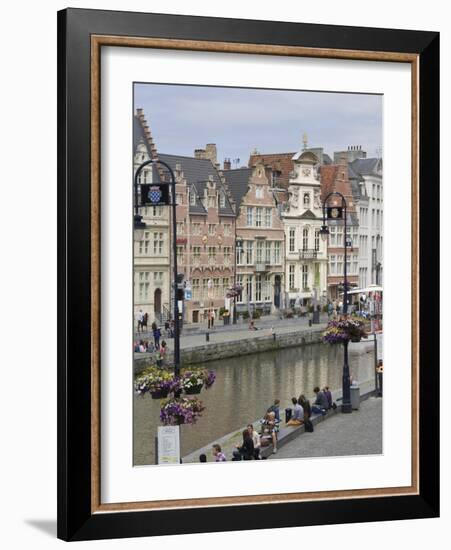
pixel 371 288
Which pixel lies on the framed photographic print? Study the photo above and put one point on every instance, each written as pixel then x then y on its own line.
pixel 248 274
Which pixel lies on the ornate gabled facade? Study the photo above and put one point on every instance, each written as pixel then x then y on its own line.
pixel 260 260
pixel 306 253
pixel 205 234
pixel 151 259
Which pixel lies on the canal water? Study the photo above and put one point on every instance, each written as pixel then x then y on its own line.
pixel 246 386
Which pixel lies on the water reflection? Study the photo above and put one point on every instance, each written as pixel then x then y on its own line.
pixel 246 386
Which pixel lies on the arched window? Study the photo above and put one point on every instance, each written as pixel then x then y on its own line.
pixel 306 199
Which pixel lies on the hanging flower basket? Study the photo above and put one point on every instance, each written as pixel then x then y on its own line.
pixel 182 410
pixel 192 380
pixel 344 330
pixel 159 383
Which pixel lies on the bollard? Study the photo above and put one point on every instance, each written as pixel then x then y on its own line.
pixel 207 336
pixel 274 336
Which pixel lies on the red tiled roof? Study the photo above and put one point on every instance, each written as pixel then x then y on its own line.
pixel 334 177
pixel 280 162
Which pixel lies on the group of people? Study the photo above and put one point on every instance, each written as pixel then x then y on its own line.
pixel 158 345
pixel 141 323
pixel 249 449
pixel 300 413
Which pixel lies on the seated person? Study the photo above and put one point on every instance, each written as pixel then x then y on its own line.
pixel 218 455
pixel 297 417
pixel 269 431
pixel 305 404
pixel 256 440
pixel 275 409
pixel 320 404
pixel 252 326
pixel 246 450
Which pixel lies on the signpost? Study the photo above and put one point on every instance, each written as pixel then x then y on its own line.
pixel 168 444
pixel 154 194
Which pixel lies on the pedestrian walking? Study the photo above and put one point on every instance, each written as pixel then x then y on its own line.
pixel 156 335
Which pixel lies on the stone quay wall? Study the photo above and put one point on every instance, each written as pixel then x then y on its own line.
pixel 213 351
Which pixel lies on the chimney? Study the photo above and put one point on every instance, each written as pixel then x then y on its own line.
pixel 227 164
pixel 199 153
pixel 211 152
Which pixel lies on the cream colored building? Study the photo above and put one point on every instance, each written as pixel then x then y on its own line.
pixel 151 260
pixel 305 252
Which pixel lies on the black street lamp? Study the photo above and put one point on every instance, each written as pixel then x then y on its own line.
pixel 139 227
pixel 334 212
pixel 238 250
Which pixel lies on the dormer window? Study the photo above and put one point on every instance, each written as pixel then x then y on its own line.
pixel 259 192
pixel 192 198
pixel 222 201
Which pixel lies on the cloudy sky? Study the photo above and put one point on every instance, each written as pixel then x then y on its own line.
pixel 184 118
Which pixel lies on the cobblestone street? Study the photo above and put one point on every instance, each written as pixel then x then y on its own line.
pixel 359 433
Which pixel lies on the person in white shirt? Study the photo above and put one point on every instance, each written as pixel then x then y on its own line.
pixel 256 440
pixel 139 319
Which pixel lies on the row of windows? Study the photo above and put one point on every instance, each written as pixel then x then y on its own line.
pixel 143 280
pixel 199 228
pixel 305 239
pixel 268 252
pixel 304 277
pixel 336 264
pixel 217 289
pixel 256 288
pixel 336 235
pixel 258 216
pixel 152 241
pixel 209 201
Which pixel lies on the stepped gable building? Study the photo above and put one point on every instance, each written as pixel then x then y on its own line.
pixel 306 253
pixel 365 176
pixel 205 232
pixel 335 177
pixel 260 260
pixel 151 258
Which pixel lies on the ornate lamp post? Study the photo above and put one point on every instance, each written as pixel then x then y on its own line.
pixel 139 227
pixel 336 213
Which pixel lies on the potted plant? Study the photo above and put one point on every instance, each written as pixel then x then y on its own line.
pixel 182 410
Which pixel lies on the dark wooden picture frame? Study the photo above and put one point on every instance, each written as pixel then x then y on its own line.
pixel 81 34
